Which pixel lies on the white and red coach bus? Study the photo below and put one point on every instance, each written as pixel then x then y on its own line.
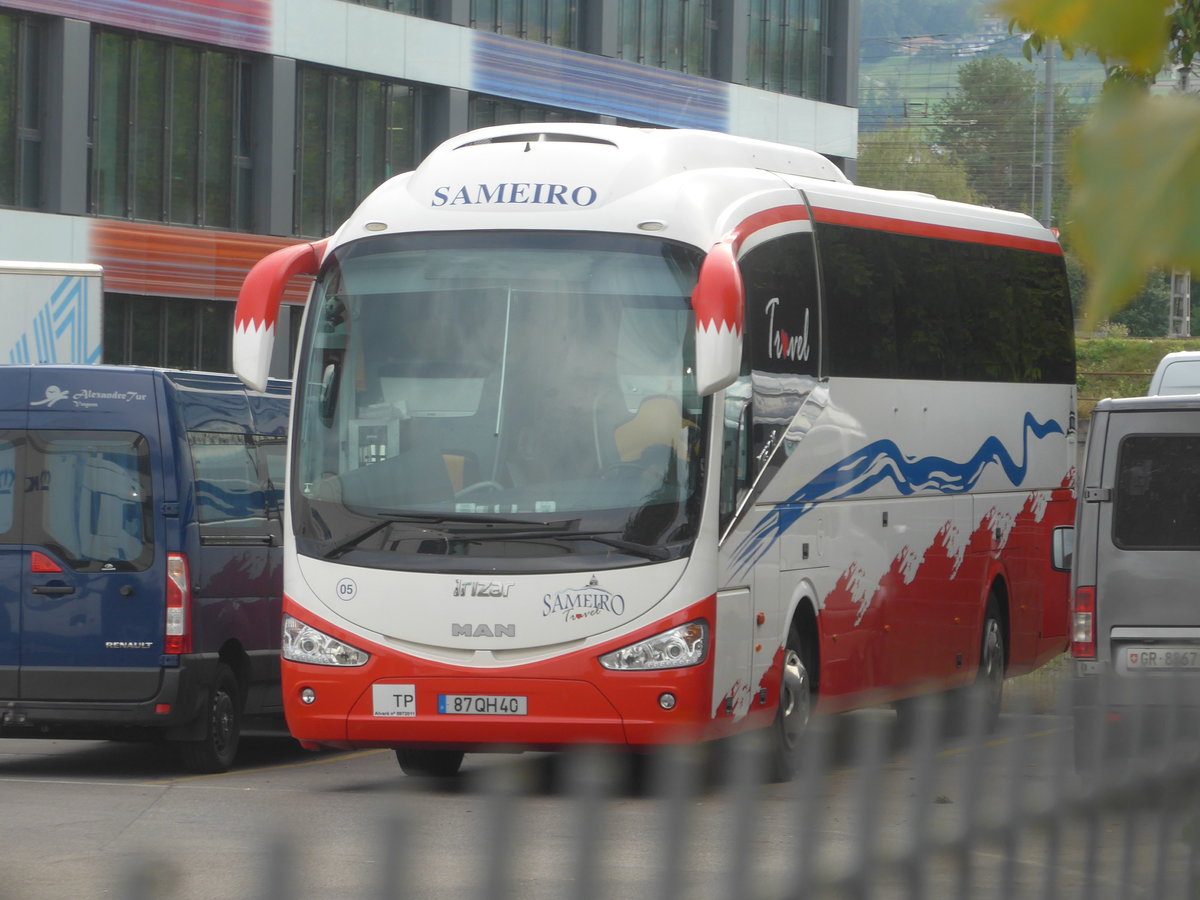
pixel 610 435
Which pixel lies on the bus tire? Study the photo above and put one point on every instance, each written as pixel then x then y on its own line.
pixel 222 715
pixel 989 681
pixel 429 763
pixel 795 709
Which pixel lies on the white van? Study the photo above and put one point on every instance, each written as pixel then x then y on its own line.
pixel 1177 373
pixel 1135 639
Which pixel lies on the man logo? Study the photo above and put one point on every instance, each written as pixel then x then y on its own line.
pixel 474 631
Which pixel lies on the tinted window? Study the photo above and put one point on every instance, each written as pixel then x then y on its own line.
pixel 781 357
pixel 8 477
pixel 901 306
pixel 232 494
pixel 1157 503
pixel 87 496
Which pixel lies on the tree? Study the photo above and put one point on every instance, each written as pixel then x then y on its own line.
pixel 901 159
pixel 1136 164
pixel 991 125
pixel 987 125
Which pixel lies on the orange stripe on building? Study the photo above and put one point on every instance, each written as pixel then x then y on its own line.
pixel 167 261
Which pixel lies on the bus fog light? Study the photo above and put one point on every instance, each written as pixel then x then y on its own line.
pixel 685 645
pixel 666 700
pixel 308 696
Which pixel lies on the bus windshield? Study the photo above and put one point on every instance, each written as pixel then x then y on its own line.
pixel 518 400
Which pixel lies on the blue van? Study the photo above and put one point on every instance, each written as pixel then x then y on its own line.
pixel 140 559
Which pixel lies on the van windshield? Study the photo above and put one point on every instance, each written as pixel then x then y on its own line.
pixel 454 380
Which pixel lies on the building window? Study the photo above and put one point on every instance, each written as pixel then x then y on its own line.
pixel 174 332
pixel 170 135
pixel 353 133
pixel 408 7
pixel 553 22
pixel 494 111
pixel 667 34
pixel 20 111
pixel 786 46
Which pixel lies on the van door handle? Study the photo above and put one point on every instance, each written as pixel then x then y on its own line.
pixel 54 590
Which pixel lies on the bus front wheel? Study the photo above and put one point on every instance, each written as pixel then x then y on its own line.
pixel 795 709
pixel 429 763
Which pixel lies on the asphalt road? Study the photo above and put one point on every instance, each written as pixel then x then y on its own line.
pixel 79 819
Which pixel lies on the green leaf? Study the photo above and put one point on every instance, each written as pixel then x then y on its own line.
pixel 1135 31
pixel 1137 176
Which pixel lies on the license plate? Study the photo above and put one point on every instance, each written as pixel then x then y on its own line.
pixel 482 705
pixel 1145 659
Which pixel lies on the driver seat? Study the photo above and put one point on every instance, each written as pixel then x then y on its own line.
pixel 658 422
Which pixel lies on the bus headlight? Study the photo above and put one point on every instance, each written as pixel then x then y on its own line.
pixel 678 648
pixel 303 643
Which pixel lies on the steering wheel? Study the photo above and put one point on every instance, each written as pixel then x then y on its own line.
pixel 478 487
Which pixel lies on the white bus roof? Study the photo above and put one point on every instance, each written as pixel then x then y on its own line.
pixel 667 150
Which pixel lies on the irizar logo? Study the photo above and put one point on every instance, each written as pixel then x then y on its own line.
pixel 482 588
pixel 475 631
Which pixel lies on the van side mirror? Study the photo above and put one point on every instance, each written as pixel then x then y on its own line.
pixel 719 303
pixel 1062 548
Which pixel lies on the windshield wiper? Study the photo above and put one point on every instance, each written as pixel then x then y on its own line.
pixel 648 551
pixel 461 519
pixel 375 527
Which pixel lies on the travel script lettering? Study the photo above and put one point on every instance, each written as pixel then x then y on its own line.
pixel 782 345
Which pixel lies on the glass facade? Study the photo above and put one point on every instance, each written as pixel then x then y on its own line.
pixel 168 331
pixel 170 135
pixel 20 111
pixel 487 111
pixel 352 133
pixel 409 7
pixel 667 34
pixel 554 22
pixel 786 48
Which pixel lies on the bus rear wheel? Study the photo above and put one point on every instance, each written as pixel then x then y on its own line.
pixel 429 763
pixel 989 683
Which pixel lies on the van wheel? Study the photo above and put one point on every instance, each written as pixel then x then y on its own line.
pixel 215 752
pixel 429 763
pixel 795 709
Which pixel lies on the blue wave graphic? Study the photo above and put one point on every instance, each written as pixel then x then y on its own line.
pixel 880 461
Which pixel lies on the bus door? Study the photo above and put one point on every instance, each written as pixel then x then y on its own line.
pixel 89 618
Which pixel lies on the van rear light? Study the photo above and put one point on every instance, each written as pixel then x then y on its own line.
pixel 1083 623
pixel 178 634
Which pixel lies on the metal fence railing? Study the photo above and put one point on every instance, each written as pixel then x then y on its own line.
pixel 876 811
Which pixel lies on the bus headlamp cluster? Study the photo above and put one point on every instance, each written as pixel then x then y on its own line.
pixel 303 643
pixel 686 645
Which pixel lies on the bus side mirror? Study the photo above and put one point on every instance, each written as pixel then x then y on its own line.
pixel 1062 548
pixel 719 303
pixel 258 308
